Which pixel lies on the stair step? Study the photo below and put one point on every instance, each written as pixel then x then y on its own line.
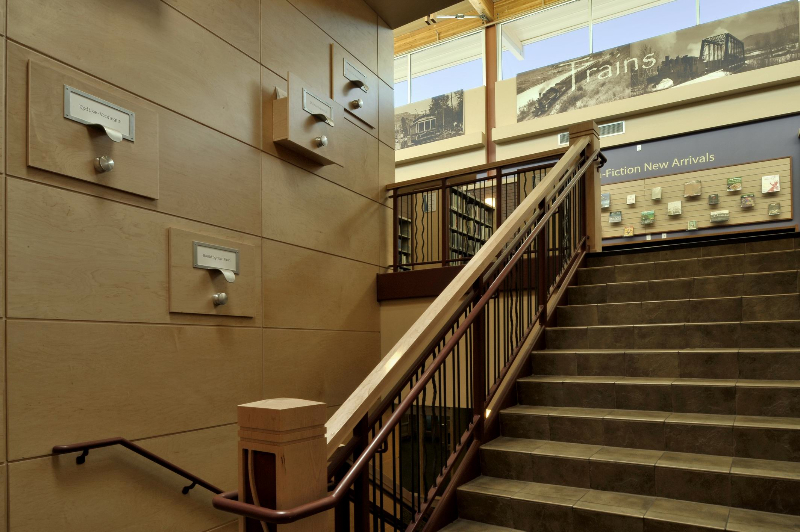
pixel 463 525
pixel 763 364
pixel 713 250
pixel 768 438
pixel 744 397
pixel 746 334
pixel 724 309
pixel 762 485
pixel 536 506
pixel 771 261
pixel 693 287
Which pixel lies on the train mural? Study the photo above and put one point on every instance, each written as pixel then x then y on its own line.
pixel 749 41
pixel 437 118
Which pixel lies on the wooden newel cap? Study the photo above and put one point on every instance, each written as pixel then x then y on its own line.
pixel 281 415
pixel 582 129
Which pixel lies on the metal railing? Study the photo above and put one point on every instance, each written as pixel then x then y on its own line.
pixel 403 454
pixel 85 447
pixel 444 221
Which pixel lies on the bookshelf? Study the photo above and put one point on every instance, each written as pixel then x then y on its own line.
pixel 404 243
pixel 471 224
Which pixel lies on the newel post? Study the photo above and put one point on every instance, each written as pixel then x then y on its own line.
pixel 283 460
pixel 592 184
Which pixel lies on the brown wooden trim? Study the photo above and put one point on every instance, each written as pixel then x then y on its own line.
pixel 416 283
pixel 479 168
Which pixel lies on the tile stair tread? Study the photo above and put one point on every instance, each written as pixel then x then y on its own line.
pixel 771 469
pixel 661 381
pixel 657 416
pixel 795 350
pixel 464 525
pixel 649 508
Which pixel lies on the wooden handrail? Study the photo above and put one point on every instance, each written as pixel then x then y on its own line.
pixel 409 348
pixel 390 365
pixel 85 447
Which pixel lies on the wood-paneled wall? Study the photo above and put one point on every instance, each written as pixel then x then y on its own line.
pixel 89 346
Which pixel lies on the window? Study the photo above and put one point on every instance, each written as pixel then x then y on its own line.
pixel 546 52
pixel 642 24
pixel 447 67
pixel 439 69
pixel 715 9
pixel 545 37
pixel 401 81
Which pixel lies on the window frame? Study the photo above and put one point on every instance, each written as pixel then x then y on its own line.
pixel 409 55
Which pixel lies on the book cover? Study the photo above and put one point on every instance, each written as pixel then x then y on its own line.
pixel 656 193
pixel 713 199
pixel 605 200
pixel 615 217
pixel 628 231
pixel 774 209
pixel 770 184
pixel 674 208
pixel 692 188
pixel 748 200
pixel 692 225
pixel 734 184
pixel 648 217
pixel 631 199
pixel 720 216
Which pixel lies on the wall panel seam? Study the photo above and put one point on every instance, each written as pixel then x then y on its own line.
pixel 320 251
pixel 140 323
pixel 314 329
pixel 325 178
pixel 220 527
pixel 119 202
pixel 128 91
pixel 334 40
pixel 135 440
pixel 213 33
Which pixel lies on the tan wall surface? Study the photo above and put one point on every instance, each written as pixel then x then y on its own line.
pixel 89 346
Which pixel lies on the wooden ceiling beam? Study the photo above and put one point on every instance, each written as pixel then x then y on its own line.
pixel 484 8
pixel 406 41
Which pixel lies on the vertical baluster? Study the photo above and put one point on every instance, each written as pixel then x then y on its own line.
pixel 361 484
pixel 479 343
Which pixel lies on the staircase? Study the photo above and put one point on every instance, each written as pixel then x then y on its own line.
pixel 667 399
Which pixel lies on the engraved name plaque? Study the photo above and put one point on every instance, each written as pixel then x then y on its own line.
pixel 84 108
pixel 213 257
pixel 317 108
pixel 355 75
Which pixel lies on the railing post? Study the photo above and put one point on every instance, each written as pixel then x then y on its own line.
pixel 395 232
pixel 541 269
pixel 444 226
pixel 283 460
pixel 591 180
pixel 498 198
pixel 479 363
pixel 361 485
